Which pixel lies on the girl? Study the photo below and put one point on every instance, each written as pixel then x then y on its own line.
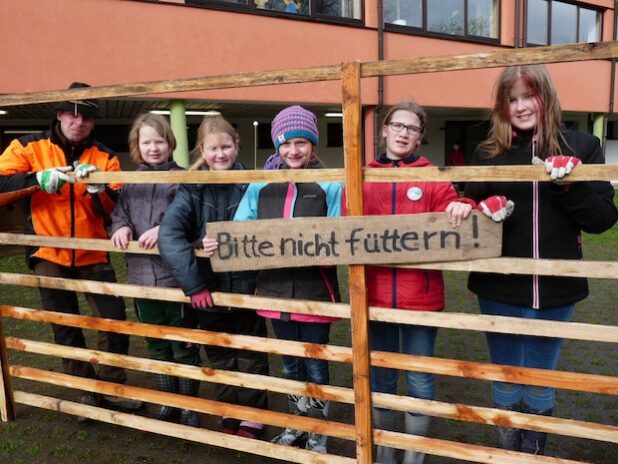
pixel 526 127
pixel 295 135
pixel 138 215
pixel 403 129
pixel 185 225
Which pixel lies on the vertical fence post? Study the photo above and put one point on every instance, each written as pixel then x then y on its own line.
pixel 7 406
pixel 351 85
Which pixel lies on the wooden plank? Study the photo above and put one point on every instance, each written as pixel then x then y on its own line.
pixel 489 173
pixel 493 59
pixel 202 405
pixel 217 177
pixel 7 404
pixel 472 453
pixel 359 317
pixel 198 435
pixel 490 59
pixel 239 80
pixel 463 412
pixel 586 172
pixel 405 238
pixel 555 267
pixel 567 268
pixel 205 337
pixel 434 365
pixel 495 372
pixel 485 323
pixel 461 451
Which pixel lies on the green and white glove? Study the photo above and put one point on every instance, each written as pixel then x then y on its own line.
pixel 51 180
pixel 82 171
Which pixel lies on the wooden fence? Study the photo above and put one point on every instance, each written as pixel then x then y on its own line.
pixel 357 311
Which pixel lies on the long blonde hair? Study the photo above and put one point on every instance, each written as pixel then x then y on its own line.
pixel 548 130
pixel 212 125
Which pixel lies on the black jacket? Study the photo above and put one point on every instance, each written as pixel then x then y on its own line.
pixel 183 227
pixel 546 223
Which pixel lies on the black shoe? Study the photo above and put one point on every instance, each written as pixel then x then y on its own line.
pixel 89 399
pixel 125 404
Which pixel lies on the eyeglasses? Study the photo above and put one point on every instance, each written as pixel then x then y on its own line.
pixel 398 127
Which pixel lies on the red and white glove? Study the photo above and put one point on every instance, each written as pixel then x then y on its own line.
pixel 559 166
pixel 202 299
pixel 497 207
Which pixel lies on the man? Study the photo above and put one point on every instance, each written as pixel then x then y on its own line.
pixel 35 167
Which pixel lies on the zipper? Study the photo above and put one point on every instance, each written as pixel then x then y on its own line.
pixel 535 232
pixel 394 269
pixel 72 208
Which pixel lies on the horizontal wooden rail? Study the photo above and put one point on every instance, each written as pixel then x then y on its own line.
pixel 586 172
pixel 474 453
pixel 198 435
pixel 456 368
pixel 489 59
pixel 493 59
pixel 463 412
pixel 561 267
pixel 555 267
pixel 448 320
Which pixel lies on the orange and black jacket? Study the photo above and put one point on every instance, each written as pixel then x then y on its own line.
pixel 72 212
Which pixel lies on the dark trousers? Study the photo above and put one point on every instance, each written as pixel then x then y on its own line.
pixel 106 306
pixel 166 313
pixel 241 322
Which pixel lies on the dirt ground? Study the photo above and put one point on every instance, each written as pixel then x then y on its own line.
pixel 39 436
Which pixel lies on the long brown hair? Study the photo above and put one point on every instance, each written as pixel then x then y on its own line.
pixel 548 130
pixel 158 123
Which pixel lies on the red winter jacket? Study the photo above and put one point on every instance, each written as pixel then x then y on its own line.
pixel 416 289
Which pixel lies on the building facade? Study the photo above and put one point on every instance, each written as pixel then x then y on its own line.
pixel 49 44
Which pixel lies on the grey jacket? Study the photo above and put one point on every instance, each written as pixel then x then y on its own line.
pixel 141 207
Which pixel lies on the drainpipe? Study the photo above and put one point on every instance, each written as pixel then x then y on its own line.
pixel 518 23
pixel 378 109
pixel 178 121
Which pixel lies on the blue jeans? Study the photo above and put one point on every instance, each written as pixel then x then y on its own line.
pixel 402 338
pixel 524 351
pixel 303 369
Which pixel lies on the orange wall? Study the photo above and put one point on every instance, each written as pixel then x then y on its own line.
pixel 50 43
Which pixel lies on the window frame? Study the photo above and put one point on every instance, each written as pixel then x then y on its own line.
pixel 413 30
pixel 250 8
pixel 599 10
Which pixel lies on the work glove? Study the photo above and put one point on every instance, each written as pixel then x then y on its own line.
pixel 51 180
pixel 82 171
pixel 497 207
pixel 559 166
pixel 202 299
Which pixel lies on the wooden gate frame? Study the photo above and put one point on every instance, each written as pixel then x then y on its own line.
pixel 350 75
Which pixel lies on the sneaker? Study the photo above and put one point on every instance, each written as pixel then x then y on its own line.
pixel 316 443
pixel 89 399
pixel 249 429
pixel 290 437
pixel 126 404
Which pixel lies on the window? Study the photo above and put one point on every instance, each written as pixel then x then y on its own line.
pixel 459 18
pixel 552 22
pixel 341 9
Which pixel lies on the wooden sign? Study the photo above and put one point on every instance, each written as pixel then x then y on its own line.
pixel 414 238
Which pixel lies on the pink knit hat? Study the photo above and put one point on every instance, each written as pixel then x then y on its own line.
pixel 294 122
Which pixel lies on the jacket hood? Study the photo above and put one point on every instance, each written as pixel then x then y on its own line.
pixel 411 161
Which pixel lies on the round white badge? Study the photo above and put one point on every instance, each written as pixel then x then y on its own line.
pixel 415 193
